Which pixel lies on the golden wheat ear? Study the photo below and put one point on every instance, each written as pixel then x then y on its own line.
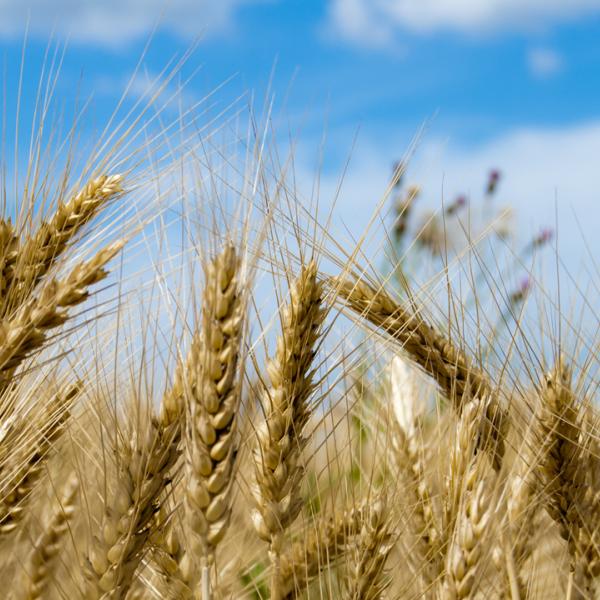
pixel 366 577
pixel 27 331
pixel 40 251
pixel 212 396
pixel 409 457
pixel 514 550
pixel 469 510
pixel 568 483
pixel 43 557
pixel 23 472
pixel 325 543
pixel 144 466
pixel 278 472
pixel 458 378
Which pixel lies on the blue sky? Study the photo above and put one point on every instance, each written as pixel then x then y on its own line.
pixel 506 84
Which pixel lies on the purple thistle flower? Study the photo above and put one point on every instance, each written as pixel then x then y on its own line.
pixel 493 179
pixel 456 205
pixel 521 292
pixel 543 237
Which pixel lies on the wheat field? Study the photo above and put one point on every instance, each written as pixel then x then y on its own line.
pixel 205 394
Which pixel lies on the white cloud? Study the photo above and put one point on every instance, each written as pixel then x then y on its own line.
pixel 371 21
pixel 112 22
pixel 544 62
pixel 539 167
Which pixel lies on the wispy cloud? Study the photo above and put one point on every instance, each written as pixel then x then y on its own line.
pixel 376 21
pixel 544 62
pixel 114 22
pixel 541 168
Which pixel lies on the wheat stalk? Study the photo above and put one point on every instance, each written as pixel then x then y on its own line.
pixel 278 472
pixel 459 379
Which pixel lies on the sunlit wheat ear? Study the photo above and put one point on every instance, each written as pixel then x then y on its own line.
pixel 172 405
pixel 43 248
pixel 280 440
pixel 25 468
pixel 212 397
pixel 169 559
pixel 325 543
pixel 588 547
pixel 9 253
pixel 470 509
pixel 143 471
pixel 563 465
pixel 366 576
pixel 409 457
pixel 517 543
pixel 26 331
pixel 456 375
pixel 48 546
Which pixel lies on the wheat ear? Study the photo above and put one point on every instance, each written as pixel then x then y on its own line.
pixel 144 466
pixel 409 458
pixel 9 253
pixel 170 560
pixel 366 577
pixel 325 543
pixel 39 252
pixel 27 330
pixel 278 472
pixel 562 470
pixel 459 379
pixel 470 509
pixel 212 395
pixel 22 474
pixel 42 559
pixel 517 544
